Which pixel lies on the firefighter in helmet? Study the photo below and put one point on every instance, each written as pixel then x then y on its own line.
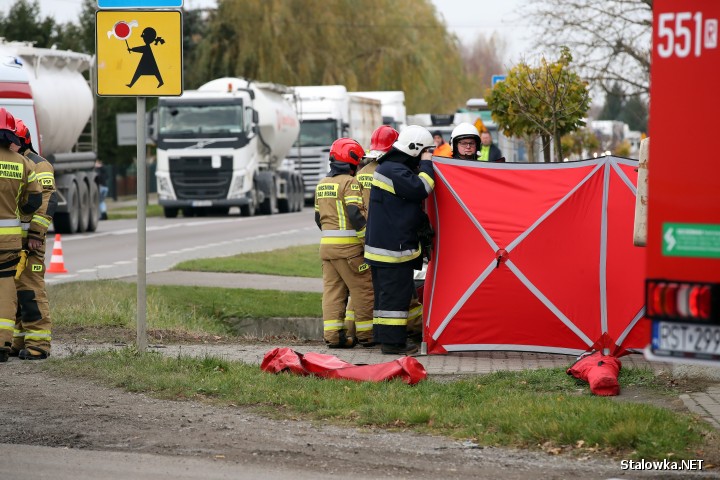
pixel 340 214
pixel 31 339
pixel 20 193
pixel 400 183
pixel 465 141
pixel 381 141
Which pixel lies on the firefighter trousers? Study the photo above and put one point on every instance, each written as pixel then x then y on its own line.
pixel 32 320
pixel 394 288
pixel 414 322
pixel 340 277
pixel 8 297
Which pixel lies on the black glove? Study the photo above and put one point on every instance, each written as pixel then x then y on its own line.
pixel 425 237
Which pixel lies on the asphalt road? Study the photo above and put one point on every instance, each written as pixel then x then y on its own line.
pixel 73 464
pixel 111 252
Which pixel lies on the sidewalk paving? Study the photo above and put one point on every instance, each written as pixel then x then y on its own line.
pixel 705 404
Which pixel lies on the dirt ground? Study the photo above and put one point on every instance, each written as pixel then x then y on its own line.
pixel 40 409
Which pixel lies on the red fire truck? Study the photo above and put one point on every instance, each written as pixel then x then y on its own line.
pixel 683 235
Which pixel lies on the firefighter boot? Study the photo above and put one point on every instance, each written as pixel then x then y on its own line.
pixel 4 354
pixel 343 341
pixel 398 348
pixel 33 354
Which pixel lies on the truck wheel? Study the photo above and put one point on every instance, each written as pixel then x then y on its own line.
pixel 265 182
pixel 268 206
pixel 299 192
pixel 170 212
pixel 84 199
pixel 249 209
pixel 67 222
pixel 94 207
pixel 286 205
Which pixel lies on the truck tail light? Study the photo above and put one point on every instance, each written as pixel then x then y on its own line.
pixel 670 300
pixel 689 302
pixel 699 302
pixel 657 298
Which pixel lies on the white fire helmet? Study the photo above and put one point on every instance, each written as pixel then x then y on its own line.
pixel 413 140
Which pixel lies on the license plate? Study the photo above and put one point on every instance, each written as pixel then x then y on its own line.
pixel 202 203
pixel 686 340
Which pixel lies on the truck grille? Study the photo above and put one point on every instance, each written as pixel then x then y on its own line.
pixel 194 178
pixel 313 169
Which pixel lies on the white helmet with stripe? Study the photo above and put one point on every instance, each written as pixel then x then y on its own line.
pixel 413 140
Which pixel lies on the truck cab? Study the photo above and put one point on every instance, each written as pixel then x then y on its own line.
pixel 201 160
pixel 225 145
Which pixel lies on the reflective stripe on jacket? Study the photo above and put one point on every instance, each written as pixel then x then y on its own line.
pixel 341 236
pixel 17 181
pixel 396 203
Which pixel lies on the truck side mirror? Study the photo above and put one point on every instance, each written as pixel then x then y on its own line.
pixel 151 124
pixel 345 130
pixel 251 117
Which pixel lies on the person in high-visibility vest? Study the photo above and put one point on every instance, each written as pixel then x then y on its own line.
pixel 488 151
pixel 20 193
pixel 32 335
pixel 340 214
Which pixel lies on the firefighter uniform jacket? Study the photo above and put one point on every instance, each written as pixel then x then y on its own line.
pixel 36 225
pixel 340 214
pixel 17 182
pixel 397 215
pixel 365 177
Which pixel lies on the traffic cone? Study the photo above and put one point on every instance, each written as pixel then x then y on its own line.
pixel 57 264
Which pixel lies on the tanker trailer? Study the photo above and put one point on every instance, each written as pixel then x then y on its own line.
pixel 225 145
pixel 46 89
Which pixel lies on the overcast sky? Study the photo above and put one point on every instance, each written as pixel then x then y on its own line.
pixel 466 18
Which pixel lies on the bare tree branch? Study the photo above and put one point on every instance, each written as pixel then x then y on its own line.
pixel 610 39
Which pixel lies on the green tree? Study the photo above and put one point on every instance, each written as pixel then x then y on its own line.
pixel 614 103
pixel 549 100
pixel 367 45
pixel 635 114
pixel 23 23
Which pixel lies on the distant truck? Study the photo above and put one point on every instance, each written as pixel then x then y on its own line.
pixel 392 107
pixel 225 145
pixel 46 89
pixel 327 113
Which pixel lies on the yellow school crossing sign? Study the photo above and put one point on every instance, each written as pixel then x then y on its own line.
pixel 139 53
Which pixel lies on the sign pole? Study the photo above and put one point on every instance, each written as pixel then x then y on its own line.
pixel 141 224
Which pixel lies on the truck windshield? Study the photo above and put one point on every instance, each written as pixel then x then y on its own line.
pixel 317 133
pixel 184 119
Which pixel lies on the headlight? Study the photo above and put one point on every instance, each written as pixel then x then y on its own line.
pixel 165 189
pixel 237 189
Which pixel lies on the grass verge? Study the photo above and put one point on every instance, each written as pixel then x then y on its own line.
pixel 131 212
pixel 543 409
pixel 300 261
pixel 188 310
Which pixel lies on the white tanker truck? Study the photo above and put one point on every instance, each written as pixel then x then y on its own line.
pixel 46 89
pixel 225 145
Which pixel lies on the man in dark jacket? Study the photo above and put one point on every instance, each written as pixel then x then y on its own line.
pixel 401 182
pixel 488 151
